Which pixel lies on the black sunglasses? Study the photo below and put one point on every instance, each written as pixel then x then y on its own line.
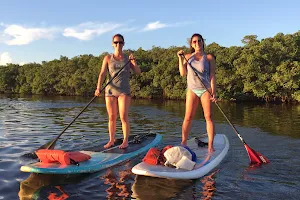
pixel 195 41
pixel 120 42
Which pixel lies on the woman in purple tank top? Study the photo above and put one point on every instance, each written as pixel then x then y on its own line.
pixel 196 92
pixel 117 93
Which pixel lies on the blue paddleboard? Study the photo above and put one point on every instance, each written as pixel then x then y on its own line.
pixel 101 158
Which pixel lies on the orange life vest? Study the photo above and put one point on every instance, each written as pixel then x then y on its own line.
pixel 64 158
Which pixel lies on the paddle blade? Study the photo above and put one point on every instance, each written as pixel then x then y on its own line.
pixel 30 155
pixel 255 157
pixel 33 155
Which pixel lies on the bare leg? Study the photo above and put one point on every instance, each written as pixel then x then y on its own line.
pixel 192 101
pixel 111 106
pixel 210 126
pixel 124 103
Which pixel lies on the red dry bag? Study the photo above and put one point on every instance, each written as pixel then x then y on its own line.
pixel 152 156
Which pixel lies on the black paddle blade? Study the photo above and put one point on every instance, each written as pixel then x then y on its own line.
pixel 33 155
pixel 30 155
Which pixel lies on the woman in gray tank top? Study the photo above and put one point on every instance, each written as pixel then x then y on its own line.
pixel 117 93
pixel 196 92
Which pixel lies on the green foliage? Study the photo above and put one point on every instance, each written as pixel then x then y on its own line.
pixel 266 70
pixel 8 75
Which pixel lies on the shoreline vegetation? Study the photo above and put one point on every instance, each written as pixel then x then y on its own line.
pixel 261 71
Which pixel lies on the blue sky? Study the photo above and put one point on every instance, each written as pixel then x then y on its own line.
pixel 35 30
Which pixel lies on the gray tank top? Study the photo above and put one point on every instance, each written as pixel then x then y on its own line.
pixel 202 67
pixel 120 84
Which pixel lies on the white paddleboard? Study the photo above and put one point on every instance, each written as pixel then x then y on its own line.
pixel 204 164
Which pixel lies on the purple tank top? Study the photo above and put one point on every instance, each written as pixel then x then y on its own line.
pixel 120 84
pixel 202 68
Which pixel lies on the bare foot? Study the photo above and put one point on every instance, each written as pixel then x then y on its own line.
pixel 124 145
pixel 109 144
pixel 183 143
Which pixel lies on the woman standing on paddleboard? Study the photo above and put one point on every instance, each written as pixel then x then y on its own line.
pixel 117 93
pixel 201 66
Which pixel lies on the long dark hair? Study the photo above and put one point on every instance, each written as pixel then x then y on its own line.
pixel 118 35
pixel 201 38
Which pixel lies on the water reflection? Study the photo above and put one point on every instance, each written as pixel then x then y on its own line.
pixel 119 185
pixel 209 186
pixel 115 182
pixel 276 119
pixel 46 186
pixel 158 188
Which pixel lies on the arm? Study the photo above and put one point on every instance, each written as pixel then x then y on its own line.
pixel 102 75
pixel 134 65
pixel 212 66
pixel 182 63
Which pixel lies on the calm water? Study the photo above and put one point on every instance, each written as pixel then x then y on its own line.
pixel 26 123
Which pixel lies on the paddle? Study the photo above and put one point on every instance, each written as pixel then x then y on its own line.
pixel 255 157
pixel 51 144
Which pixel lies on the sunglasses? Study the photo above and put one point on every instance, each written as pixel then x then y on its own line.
pixel 120 42
pixel 195 41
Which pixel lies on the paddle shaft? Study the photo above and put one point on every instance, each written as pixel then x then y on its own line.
pixel 255 157
pixel 233 127
pixel 53 142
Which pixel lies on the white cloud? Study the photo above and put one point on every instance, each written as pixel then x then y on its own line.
pixel 86 31
pixel 154 25
pixel 5 58
pixel 19 35
pixel 127 30
pixel 157 25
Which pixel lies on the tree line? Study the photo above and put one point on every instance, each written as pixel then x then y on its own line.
pixel 266 70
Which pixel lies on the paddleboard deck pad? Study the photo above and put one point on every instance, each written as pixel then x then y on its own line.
pixel 204 164
pixel 100 158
